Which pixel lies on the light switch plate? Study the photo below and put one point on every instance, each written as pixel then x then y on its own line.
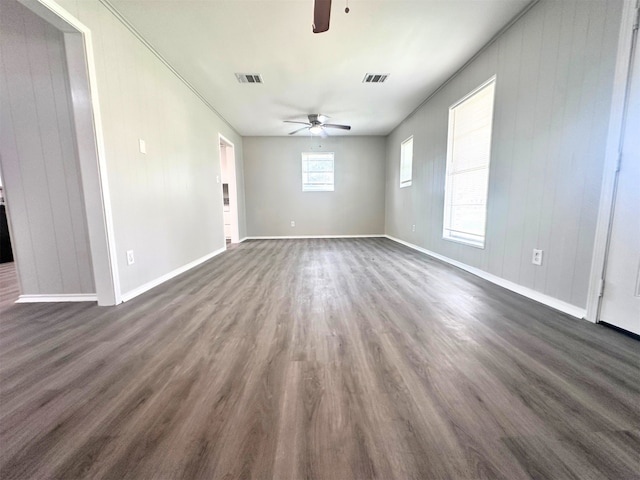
pixel 143 146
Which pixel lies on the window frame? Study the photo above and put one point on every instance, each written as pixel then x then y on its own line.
pixel 466 238
pixel 309 187
pixel 406 183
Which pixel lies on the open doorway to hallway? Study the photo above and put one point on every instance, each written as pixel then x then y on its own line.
pixel 52 158
pixel 9 290
pixel 229 190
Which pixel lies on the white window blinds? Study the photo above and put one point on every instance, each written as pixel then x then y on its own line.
pixel 468 156
pixel 406 162
pixel 317 172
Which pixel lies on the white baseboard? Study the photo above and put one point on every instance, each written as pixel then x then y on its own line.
pixel 294 237
pixel 552 302
pixel 168 276
pixel 61 297
pixel 243 239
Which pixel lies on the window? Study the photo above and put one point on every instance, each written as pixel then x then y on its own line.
pixel 317 172
pixel 406 162
pixel 468 155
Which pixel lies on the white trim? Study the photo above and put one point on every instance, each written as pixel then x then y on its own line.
pixel 294 237
pixel 450 174
pixel 514 287
pixel 61 297
pixel 116 13
pixel 243 239
pixel 463 67
pixel 62 19
pixel 168 276
pixel 406 183
pixel 310 187
pixel 610 160
pixel 232 181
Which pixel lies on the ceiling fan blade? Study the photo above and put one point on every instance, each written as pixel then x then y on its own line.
pixel 321 14
pixel 333 125
pixel 299 130
pixel 301 123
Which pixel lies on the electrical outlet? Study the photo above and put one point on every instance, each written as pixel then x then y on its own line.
pixel 293 223
pixel 130 258
pixel 413 228
pixel 143 146
pixel 536 259
pixel 217 178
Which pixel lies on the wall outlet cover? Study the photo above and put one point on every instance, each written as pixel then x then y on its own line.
pixel 293 223
pixel 536 258
pixel 143 146
pixel 130 258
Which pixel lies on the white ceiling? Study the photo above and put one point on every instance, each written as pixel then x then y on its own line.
pixel 420 43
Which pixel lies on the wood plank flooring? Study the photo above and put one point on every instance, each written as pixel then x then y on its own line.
pixel 9 290
pixel 316 359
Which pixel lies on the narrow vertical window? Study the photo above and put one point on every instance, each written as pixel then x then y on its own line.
pixel 317 172
pixel 406 162
pixel 468 156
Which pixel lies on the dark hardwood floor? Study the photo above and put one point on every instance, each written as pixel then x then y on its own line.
pixel 9 290
pixel 316 359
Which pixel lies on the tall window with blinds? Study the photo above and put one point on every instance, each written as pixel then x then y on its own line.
pixel 406 162
pixel 317 172
pixel 468 157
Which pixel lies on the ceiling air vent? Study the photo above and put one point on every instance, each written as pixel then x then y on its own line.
pixel 249 77
pixel 375 77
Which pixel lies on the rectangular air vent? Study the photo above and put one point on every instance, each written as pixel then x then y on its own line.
pixel 249 77
pixel 375 77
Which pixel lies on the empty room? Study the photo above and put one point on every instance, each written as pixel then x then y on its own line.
pixel 315 239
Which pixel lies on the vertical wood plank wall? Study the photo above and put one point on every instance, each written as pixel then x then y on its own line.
pixel 167 206
pixel 554 70
pixel 39 158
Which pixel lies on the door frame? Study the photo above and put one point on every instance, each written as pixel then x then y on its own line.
pixel 233 185
pixel 90 146
pixel 615 137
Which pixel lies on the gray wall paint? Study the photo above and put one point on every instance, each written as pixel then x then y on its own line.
pixel 274 196
pixel 167 206
pixel 554 82
pixel 39 160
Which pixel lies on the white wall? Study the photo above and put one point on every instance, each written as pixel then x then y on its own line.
pixel 274 196
pixel 167 206
pixel 39 159
pixel 553 91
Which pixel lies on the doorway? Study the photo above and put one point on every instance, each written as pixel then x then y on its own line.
pixel 52 158
pixel 229 190
pixel 620 305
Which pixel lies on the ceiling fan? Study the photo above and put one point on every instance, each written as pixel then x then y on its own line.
pixel 321 14
pixel 316 125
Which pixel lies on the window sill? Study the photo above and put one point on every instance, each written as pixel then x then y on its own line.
pixel 464 241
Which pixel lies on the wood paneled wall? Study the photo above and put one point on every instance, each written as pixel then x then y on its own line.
pixel 554 70
pixel 39 159
pixel 167 206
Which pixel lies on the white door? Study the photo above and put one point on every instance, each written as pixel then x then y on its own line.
pixel 621 298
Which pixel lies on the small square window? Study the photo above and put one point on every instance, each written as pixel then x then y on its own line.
pixel 317 172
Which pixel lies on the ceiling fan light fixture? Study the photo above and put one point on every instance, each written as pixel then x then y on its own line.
pixel 315 130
